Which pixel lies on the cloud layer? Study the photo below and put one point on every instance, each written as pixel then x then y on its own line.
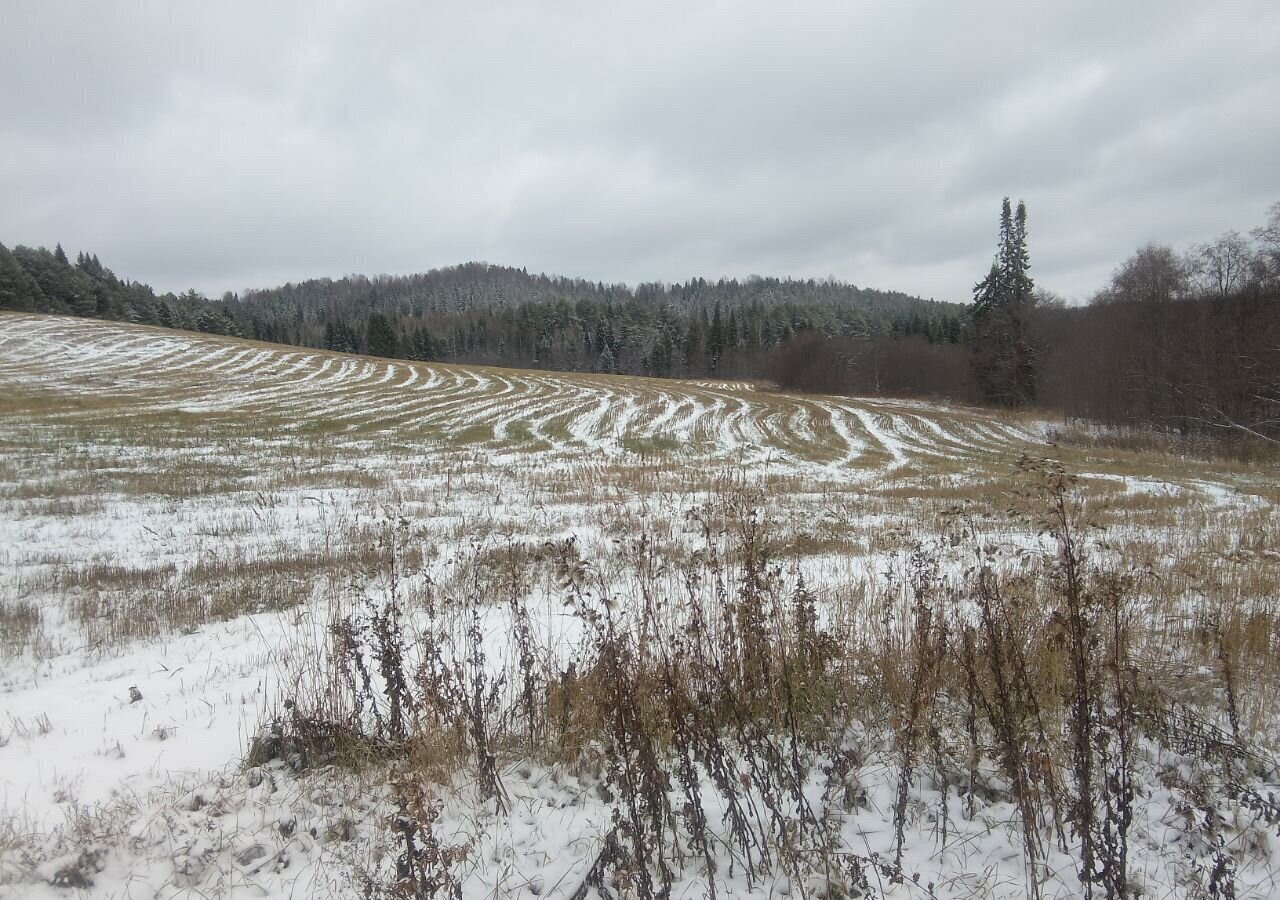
pixel 236 144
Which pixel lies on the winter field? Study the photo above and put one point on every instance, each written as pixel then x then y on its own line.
pixel 277 622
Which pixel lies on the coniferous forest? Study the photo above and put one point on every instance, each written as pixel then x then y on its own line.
pixel 1186 343
pixel 492 315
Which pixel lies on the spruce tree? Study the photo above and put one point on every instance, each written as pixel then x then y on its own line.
pixel 715 340
pixel 1004 359
pixel 18 290
pixel 381 336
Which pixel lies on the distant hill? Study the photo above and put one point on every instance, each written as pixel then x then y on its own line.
pixel 496 315
pixel 480 313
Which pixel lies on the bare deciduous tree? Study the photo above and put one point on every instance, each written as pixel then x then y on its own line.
pixel 1222 266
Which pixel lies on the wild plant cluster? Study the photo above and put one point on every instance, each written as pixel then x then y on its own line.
pixel 728 708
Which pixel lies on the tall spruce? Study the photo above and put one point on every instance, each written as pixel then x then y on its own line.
pixel 1004 357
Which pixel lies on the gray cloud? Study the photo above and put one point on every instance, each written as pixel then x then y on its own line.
pixel 237 144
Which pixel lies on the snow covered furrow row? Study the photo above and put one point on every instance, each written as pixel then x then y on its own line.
pixel 581 415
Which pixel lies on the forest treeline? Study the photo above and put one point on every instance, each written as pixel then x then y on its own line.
pixel 1186 344
pixel 493 315
pixel 1182 343
pixel 1179 342
pixel 40 280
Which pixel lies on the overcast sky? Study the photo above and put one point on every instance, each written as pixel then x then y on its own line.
pixel 224 145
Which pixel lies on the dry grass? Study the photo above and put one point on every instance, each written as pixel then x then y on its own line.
pixel 19 626
pixel 652 597
pixel 1049 670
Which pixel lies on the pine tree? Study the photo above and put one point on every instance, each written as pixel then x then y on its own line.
pixel 381 336
pixel 211 323
pixel 423 346
pixel 18 290
pixel 715 340
pixel 1004 360
pixel 606 363
pixel 693 347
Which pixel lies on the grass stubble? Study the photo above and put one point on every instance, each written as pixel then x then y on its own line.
pixel 724 651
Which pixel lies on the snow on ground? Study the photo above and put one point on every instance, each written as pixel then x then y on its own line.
pixel 445 401
pixel 84 728
pixel 136 462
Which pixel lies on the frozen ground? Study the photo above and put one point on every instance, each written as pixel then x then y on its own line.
pixel 180 515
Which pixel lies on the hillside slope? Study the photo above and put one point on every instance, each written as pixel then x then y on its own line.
pixel 260 389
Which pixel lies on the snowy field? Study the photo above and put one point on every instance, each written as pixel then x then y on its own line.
pixel 183 517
